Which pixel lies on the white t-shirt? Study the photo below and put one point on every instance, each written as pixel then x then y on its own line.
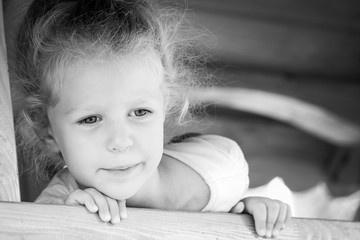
pixel 218 160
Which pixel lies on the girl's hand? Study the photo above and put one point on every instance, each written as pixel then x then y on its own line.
pixel 270 215
pixel 109 209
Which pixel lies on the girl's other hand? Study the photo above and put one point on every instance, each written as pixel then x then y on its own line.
pixel 269 215
pixel 110 210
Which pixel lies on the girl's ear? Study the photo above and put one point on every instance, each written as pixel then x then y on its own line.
pixel 50 141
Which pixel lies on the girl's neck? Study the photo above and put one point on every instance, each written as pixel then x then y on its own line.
pixel 151 194
pixel 173 186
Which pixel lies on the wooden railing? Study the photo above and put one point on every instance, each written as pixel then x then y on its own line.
pixel 36 221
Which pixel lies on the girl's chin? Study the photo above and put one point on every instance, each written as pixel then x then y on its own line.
pixel 119 194
pixel 116 192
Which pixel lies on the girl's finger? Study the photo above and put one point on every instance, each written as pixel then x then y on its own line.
pixel 114 210
pixel 288 213
pixel 122 209
pixel 80 197
pixel 273 209
pixel 260 216
pixel 104 212
pixel 238 208
pixel 280 220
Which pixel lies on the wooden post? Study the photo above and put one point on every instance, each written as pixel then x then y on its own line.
pixel 9 181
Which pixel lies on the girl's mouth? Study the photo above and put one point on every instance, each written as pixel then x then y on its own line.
pixel 123 171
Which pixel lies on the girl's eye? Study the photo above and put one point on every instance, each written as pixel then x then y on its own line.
pixel 140 112
pixel 89 120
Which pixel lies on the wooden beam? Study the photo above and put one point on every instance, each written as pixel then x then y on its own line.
pixel 9 181
pixel 308 117
pixel 37 221
pixel 336 95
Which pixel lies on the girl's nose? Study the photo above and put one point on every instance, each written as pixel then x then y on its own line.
pixel 120 147
pixel 120 140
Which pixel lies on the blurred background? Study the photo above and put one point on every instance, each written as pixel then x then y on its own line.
pixel 308 51
pixel 303 53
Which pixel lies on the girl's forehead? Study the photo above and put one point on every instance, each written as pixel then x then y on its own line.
pixel 147 61
pixel 118 81
pixel 143 61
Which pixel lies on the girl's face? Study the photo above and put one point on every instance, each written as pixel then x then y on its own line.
pixel 108 124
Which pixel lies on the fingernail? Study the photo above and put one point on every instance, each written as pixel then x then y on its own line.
pixel 276 233
pixel 94 208
pixel 262 232
pixel 268 234
pixel 115 220
pixel 123 215
pixel 106 218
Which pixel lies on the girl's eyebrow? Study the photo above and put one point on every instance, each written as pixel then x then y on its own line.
pixel 148 100
pixel 70 111
pixel 137 101
pixel 74 109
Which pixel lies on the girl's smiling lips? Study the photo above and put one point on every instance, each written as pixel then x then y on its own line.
pixel 121 167
pixel 123 170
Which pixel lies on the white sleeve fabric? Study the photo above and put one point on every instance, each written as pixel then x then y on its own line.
pixel 221 164
pixel 58 189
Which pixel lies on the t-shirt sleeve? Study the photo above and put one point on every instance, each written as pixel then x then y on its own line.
pixel 58 189
pixel 221 164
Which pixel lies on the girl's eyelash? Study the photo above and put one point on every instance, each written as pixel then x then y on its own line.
pixel 141 112
pixel 89 120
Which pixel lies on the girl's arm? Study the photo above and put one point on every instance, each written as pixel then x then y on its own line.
pixel 222 166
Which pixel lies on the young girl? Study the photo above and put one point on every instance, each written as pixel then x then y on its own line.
pixel 102 80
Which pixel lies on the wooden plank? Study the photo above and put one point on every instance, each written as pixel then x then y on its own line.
pixel 9 182
pixel 338 95
pixel 270 40
pixel 36 221
pixel 305 116
pixel 329 14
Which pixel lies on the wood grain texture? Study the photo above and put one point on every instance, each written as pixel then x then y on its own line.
pixel 37 221
pixel 9 183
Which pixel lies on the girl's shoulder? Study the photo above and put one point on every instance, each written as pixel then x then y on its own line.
pixel 219 161
pixel 208 144
pixel 57 191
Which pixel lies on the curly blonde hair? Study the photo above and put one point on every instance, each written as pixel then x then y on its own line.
pixel 57 33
